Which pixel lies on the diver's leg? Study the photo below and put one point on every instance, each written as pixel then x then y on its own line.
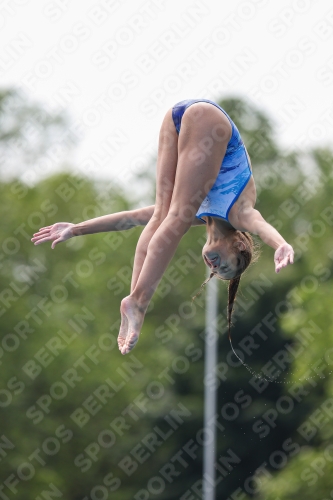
pixel 165 178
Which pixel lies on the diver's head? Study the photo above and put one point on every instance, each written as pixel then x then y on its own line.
pixel 228 257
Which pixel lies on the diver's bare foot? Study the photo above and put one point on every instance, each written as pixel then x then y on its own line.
pixel 132 317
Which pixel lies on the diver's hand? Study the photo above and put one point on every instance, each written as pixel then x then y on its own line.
pixel 61 231
pixel 283 256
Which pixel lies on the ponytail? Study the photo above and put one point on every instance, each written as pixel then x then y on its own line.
pixel 232 292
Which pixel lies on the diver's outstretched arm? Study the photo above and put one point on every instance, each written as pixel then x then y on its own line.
pixel 253 221
pixel 120 221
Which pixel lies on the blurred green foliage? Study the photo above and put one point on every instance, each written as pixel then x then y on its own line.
pixel 79 418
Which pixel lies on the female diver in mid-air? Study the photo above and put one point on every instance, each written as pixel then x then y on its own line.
pixel 203 176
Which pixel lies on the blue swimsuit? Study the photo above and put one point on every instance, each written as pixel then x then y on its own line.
pixel 234 173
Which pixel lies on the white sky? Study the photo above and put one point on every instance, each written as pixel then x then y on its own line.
pixel 117 65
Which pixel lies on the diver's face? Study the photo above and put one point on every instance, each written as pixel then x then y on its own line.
pixel 220 259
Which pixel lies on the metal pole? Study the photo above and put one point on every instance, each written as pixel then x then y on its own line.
pixel 211 347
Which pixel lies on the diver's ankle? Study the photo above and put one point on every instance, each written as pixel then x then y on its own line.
pixel 140 300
